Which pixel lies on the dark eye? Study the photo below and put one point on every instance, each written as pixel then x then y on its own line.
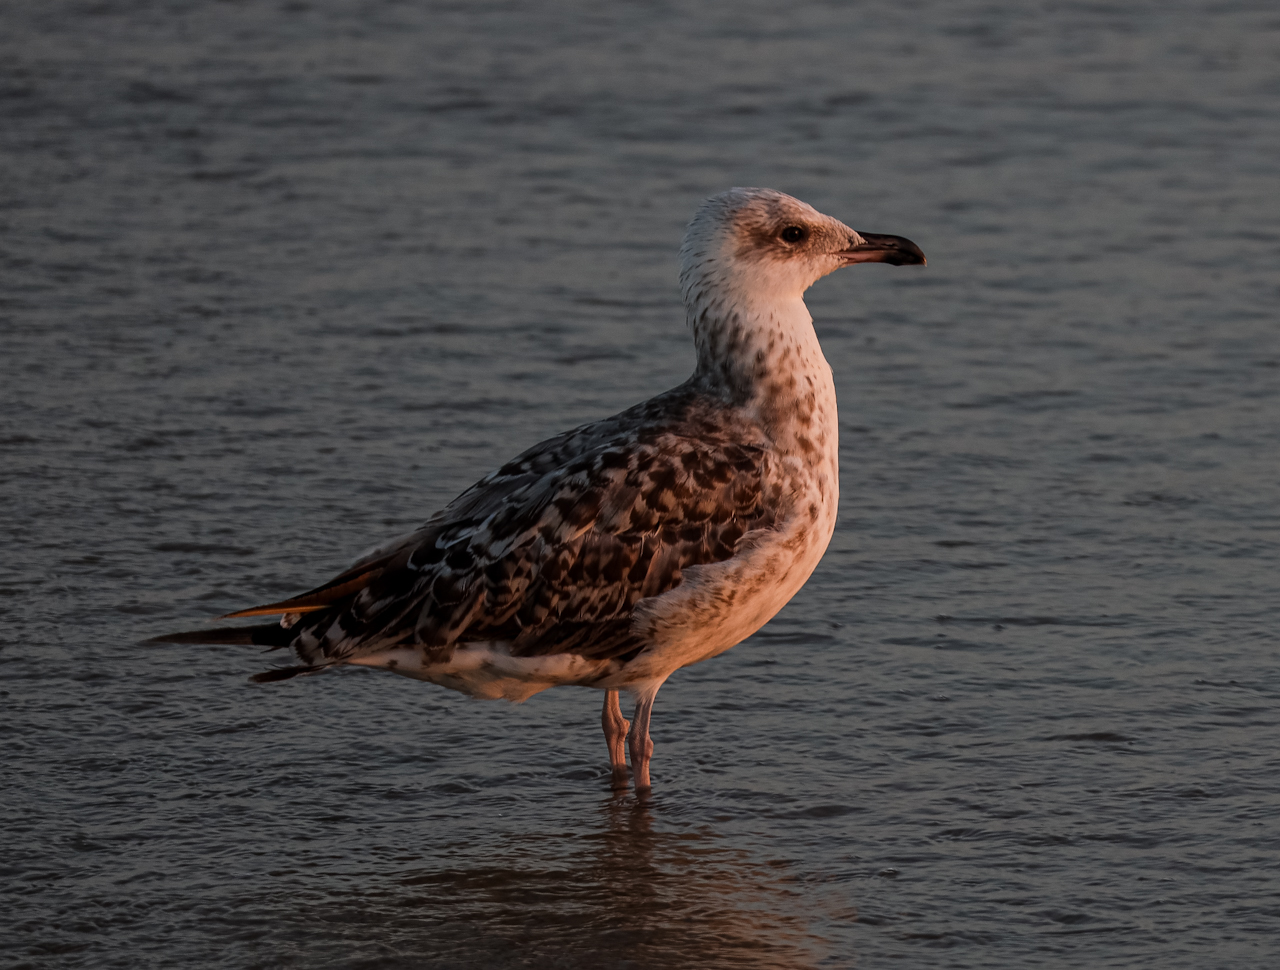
pixel 794 234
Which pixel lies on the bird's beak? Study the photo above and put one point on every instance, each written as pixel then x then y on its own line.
pixel 878 248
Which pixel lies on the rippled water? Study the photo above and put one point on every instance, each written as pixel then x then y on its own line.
pixel 279 279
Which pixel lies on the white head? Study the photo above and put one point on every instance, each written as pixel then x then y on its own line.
pixel 747 258
pixel 768 247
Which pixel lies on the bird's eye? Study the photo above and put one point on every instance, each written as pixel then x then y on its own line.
pixel 794 234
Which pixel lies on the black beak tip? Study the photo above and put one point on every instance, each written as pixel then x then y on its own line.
pixel 911 255
pixel 883 248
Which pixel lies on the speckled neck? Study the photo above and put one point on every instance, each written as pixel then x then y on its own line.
pixel 760 352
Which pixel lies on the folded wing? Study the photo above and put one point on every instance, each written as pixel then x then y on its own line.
pixel 550 554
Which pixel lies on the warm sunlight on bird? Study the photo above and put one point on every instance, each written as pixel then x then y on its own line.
pixel 614 554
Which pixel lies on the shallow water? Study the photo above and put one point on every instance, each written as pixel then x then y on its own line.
pixel 279 279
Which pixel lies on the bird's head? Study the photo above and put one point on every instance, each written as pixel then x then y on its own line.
pixel 770 246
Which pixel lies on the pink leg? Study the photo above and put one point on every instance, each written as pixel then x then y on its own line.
pixel 641 746
pixel 615 736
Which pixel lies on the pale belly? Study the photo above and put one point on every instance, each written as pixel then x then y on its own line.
pixel 719 606
pixel 487 671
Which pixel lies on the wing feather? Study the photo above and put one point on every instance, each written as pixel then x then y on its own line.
pixel 552 553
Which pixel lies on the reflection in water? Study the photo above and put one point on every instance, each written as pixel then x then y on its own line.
pixel 620 895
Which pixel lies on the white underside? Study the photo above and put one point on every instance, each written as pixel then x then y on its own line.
pixel 488 671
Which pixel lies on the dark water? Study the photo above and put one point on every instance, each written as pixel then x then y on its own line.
pixel 279 279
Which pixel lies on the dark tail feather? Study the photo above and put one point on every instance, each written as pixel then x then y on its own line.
pixel 282 673
pixel 266 635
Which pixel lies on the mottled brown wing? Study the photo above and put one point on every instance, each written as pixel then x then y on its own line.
pixel 554 561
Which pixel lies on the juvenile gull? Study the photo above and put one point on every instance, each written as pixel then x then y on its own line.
pixel 616 553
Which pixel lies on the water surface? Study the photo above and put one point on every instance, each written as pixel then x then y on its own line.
pixel 280 279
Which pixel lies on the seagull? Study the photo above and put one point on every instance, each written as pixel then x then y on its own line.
pixel 616 553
